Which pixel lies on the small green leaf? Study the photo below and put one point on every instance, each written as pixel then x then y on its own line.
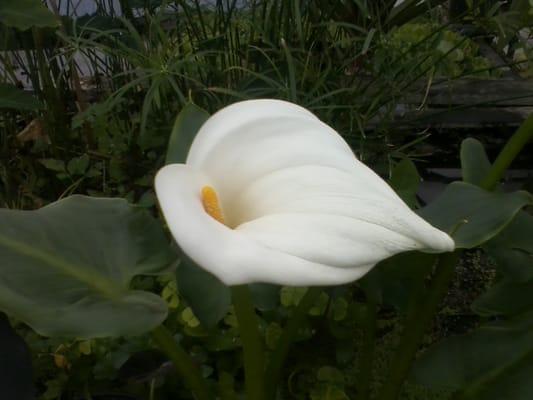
pixel 67 267
pixel 405 181
pixel 291 296
pixel 209 298
pixel 186 126
pixel 475 163
pixel 14 98
pixel 24 14
pixel 78 165
pixel 52 164
pixel 473 215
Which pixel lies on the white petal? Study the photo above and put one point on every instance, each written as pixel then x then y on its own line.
pixel 231 118
pixel 228 254
pixel 261 148
pixel 381 217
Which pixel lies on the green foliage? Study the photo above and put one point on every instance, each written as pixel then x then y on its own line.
pixel 13 98
pixel 24 14
pixel 71 263
pixel 475 163
pixel 492 360
pixel 208 297
pixel 473 215
pixel 187 124
pixel 405 181
pixel 428 47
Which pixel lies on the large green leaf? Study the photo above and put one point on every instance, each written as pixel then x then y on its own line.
pixel 24 14
pixel 405 181
pixel 486 355
pixel 209 298
pixel 66 268
pixel 506 298
pixel 512 249
pixel 15 98
pixel 186 126
pixel 475 163
pixel 473 215
pixel 399 279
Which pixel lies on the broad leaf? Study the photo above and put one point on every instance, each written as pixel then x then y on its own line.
pixel 473 215
pixel 265 296
pixel 66 268
pixel 399 279
pixel 506 298
pixel 512 249
pixel 405 181
pixel 488 352
pixel 209 298
pixel 512 382
pixel 24 14
pixel 17 99
pixel 186 126
pixel 474 161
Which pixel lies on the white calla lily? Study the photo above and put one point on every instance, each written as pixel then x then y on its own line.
pixel 298 207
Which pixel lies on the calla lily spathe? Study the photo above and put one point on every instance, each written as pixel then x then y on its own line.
pixel 299 208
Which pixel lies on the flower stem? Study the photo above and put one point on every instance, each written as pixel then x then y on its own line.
pixel 277 359
pixel 184 365
pixel 416 325
pixel 251 342
pixel 511 149
pixel 366 357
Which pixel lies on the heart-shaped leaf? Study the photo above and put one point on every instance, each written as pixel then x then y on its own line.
pixel 66 268
pixel 473 215
pixel 491 363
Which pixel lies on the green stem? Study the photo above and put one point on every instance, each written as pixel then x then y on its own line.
pixel 416 324
pixel 184 365
pixel 511 149
pixel 251 342
pixel 367 351
pixel 277 359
